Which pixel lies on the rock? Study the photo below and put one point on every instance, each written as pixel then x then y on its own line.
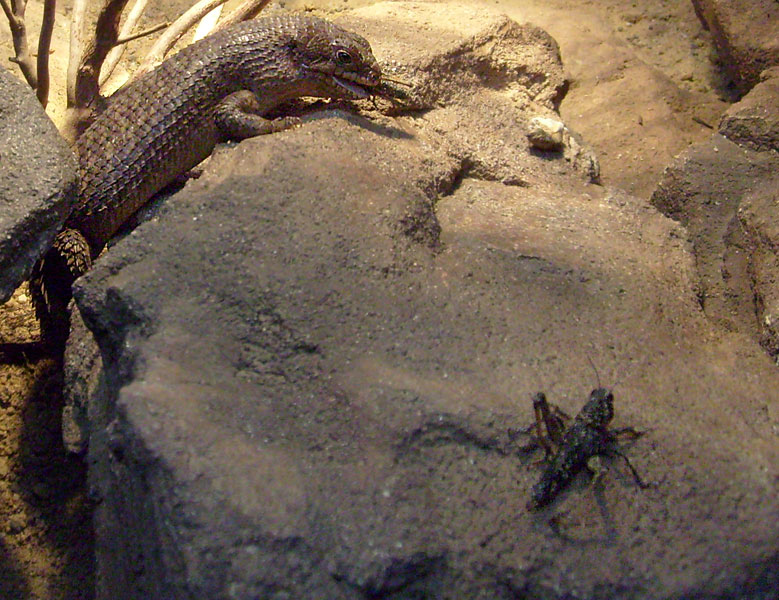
pixel 16 524
pixel 703 189
pixel 37 182
pixel 318 357
pixel 725 194
pixel 552 135
pixel 746 33
pixel 759 216
pixel 754 121
pixel 486 75
pixel 339 417
pixel 546 134
pixel 633 112
pixel 83 372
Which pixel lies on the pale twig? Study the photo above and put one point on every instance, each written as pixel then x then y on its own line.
pixel 44 44
pixel 76 48
pixel 130 21
pixel 180 26
pixel 15 15
pixel 143 33
pixel 248 10
pixel 206 25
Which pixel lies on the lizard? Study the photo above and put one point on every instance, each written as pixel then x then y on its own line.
pixel 170 119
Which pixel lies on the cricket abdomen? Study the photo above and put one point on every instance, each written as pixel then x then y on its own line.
pixel 579 444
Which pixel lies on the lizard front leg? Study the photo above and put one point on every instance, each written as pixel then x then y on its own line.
pixel 239 116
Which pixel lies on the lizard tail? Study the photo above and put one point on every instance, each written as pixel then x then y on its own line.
pixel 51 281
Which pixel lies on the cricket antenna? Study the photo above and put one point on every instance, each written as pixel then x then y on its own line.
pixel 592 364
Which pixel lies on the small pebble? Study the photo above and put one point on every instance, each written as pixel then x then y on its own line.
pixel 545 134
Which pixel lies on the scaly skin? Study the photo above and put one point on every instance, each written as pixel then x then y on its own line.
pixel 170 119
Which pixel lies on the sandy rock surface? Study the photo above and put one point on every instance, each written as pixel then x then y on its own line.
pixel 725 192
pixel 754 120
pixel 746 33
pixel 326 399
pixel 338 403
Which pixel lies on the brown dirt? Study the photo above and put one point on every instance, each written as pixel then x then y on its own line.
pixel 610 48
pixel 46 533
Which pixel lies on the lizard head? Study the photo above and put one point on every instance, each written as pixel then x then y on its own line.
pixel 341 61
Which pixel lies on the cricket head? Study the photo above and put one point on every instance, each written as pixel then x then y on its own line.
pixel 599 409
pixel 539 400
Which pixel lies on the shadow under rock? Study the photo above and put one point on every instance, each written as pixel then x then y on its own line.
pixel 53 483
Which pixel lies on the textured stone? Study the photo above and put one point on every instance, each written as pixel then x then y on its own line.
pixel 746 33
pixel 37 182
pixel 754 121
pixel 545 133
pixel 703 189
pixel 759 215
pixel 319 357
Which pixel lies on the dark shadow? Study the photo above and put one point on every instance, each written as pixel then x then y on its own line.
pixel 547 155
pixel 582 492
pixel 339 112
pixel 53 486
pixel 20 353
pixel 341 109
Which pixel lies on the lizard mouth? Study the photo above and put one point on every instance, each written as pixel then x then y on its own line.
pixel 355 84
pixel 353 88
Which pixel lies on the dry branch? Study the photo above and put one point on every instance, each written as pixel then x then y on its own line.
pixel 207 24
pixel 248 10
pixel 15 15
pixel 76 48
pixel 106 33
pixel 116 53
pixel 180 26
pixel 84 88
pixel 44 45
pixel 140 34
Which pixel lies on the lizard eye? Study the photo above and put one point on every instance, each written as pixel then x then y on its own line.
pixel 343 58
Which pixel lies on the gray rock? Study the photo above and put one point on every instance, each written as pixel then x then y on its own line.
pixel 746 34
pixel 759 216
pixel 82 379
pixel 486 76
pixel 703 189
pixel 37 182
pixel 315 405
pixel 318 356
pixel 754 121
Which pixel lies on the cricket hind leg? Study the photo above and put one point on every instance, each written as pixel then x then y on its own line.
pixel 550 424
pixel 51 283
pixel 548 427
pixel 628 433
